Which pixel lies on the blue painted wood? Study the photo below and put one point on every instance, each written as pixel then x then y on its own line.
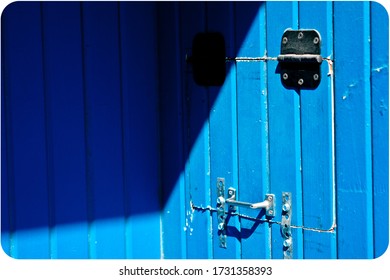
pixel 171 132
pixel 6 227
pixel 139 129
pixel 25 101
pixel 284 128
pixel 129 141
pixel 197 168
pixel 64 110
pixel 317 141
pixel 223 129
pixel 252 126
pixel 353 130
pixel 102 91
pixel 380 125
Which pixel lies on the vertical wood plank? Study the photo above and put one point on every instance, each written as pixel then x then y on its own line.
pixel 6 226
pixel 103 129
pixel 223 129
pixel 172 161
pixel 317 141
pixel 284 128
pixel 24 97
pixel 380 124
pixel 197 169
pixel 64 117
pixel 252 111
pixel 353 130
pixel 140 128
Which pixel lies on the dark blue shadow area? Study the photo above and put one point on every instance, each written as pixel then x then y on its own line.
pixel 96 109
pixel 245 233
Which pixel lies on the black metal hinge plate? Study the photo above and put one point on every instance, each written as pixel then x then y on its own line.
pixel 300 59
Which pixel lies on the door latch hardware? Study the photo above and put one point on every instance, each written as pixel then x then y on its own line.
pixel 267 204
pixel 286 225
pixel 300 59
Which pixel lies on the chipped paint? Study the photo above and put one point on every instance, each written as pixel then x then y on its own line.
pixel 349 90
pixel 383 108
pixel 380 69
pixel 330 65
pixel 189 218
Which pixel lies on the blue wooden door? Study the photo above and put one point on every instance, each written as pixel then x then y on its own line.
pixel 325 147
pixel 111 150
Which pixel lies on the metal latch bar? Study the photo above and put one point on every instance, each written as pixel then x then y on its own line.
pixel 267 204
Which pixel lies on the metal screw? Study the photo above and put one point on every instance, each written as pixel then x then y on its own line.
pixel 300 35
pixel 286 232
pixel 286 207
pixel 221 200
pixel 270 212
pixel 316 77
pixel 300 82
pixel 316 40
pixel 270 198
pixel 221 226
pixel 287 243
pixel 284 40
pixel 285 76
pixel 230 192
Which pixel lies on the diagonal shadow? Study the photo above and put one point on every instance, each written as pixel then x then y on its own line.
pixel 92 109
pixel 245 233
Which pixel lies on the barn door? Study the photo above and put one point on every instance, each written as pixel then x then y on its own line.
pixel 254 136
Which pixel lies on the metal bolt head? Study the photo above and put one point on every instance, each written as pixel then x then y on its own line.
pixel 270 198
pixel 316 40
pixel 270 212
pixel 221 226
pixel 300 35
pixel 300 82
pixel 284 40
pixel 286 232
pixel 286 207
pixel 230 192
pixel 316 77
pixel 287 243
pixel 285 76
pixel 221 200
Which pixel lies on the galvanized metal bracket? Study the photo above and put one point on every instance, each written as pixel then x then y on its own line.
pixel 300 59
pixel 221 212
pixel 286 225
